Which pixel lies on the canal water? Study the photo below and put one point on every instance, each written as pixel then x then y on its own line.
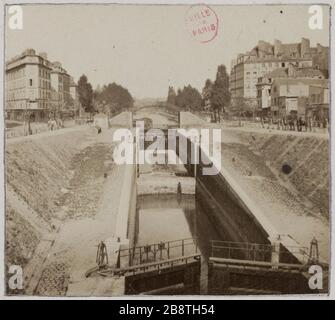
pixel 172 217
pixel 169 217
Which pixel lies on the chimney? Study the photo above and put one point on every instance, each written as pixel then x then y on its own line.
pixel 43 55
pixel 305 47
pixel 277 48
pixel 29 52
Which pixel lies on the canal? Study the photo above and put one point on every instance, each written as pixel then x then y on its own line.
pixel 171 217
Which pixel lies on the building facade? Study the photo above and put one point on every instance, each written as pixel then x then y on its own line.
pixel 60 89
pixel 264 83
pixel 289 96
pixel 28 88
pixel 35 87
pixel 265 58
pixel 317 107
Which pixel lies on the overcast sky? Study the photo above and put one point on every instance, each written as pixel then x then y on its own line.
pixel 148 48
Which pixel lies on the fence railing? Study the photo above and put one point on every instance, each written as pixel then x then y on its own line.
pixel 39 127
pixel 156 252
pixel 259 252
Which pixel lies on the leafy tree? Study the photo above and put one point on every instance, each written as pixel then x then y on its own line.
pixel 85 93
pixel 171 99
pixel 220 96
pixel 207 94
pixel 188 98
pixel 113 97
pixel 179 98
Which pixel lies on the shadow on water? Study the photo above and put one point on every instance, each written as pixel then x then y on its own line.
pixel 172 217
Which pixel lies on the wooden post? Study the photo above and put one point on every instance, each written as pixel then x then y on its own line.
pixel 275 252
pixel 129 262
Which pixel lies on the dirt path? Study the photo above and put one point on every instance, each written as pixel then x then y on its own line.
pixel 84 225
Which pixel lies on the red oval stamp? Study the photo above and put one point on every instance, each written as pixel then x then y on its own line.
pixel 202 22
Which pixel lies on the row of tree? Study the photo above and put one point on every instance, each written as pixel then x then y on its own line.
pixel 111 98
pixel 215 96
pixel 85 93
pixel 186 98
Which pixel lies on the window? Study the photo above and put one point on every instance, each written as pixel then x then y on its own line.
pixel 31 82
pixel 283 64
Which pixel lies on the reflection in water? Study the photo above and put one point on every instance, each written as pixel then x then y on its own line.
pixel 173 217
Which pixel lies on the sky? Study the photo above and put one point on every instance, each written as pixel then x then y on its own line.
pixel 147 48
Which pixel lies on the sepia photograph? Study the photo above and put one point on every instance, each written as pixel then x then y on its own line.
pixel 166 149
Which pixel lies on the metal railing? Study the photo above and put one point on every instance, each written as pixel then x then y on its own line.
pixel 288 254
pixel 258 252
pixel 156 252
pixel 241 250
pixel 147 267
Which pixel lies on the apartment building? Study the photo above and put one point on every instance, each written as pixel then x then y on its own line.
pixel 265 57
pixel 264 83
pixel 35 87
pixel 28 86
pixel 290 96
pixel 60 89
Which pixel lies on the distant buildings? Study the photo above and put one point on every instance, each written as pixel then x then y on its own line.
pixel 36 86
pixel 265 82
pixel 256 75
pixel 289 96
pixel 60 88
pixel 74 97
pixel 318 102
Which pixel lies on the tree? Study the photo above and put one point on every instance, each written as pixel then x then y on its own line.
pixel 171 99
pixel 179 98
pixel 207 94
pixel 188 98
pixel 113 97
pixel 85 93
pixel 220 97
